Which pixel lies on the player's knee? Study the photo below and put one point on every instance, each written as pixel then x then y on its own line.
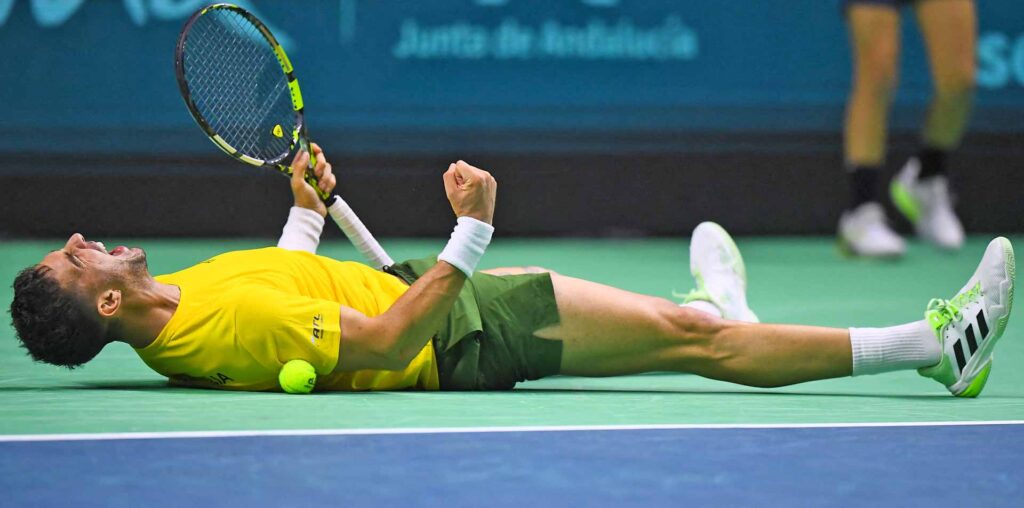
pixel 698 336
pixel 687 324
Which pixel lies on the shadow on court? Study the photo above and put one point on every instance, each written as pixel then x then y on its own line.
pixel 163 387
pixel 632 391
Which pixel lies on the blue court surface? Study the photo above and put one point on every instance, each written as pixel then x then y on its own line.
pixel 892 465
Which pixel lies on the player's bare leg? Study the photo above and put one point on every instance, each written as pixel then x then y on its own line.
pixel 608 331
pixel 516 270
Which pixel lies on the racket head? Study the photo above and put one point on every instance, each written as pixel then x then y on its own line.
pixel 240 87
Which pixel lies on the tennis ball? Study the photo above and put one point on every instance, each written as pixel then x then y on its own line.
pixel 297 376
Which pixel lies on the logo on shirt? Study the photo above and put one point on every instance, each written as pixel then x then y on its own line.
pixel 217 379
pixel 318 328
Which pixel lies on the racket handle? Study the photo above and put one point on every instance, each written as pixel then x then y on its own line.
pixel 357 233
pixel 311 170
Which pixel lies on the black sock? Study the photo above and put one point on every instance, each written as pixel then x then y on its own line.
pixel 863 184
pixel 933 162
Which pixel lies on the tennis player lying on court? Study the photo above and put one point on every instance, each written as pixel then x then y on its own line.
pixel 232 321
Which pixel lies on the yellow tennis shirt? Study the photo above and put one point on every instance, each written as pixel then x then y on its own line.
pixel 243 315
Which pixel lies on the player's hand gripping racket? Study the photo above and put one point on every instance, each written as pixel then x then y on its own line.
pixel 241 89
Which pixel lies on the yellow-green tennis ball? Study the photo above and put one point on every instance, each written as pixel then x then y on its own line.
pixel 297 376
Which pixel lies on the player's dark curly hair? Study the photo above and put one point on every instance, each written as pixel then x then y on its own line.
pixel 52 324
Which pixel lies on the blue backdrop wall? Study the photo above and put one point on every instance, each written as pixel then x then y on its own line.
pixel 516 75
pixel 624 116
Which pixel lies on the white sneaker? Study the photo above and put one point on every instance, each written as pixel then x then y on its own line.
pixel 864 231
pixel 969 324
pixel 927 205
pixel 717 268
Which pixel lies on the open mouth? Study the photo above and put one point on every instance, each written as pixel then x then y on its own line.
pixel 120 250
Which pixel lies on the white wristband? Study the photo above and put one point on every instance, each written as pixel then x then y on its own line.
pixel 467 245
pixel 302 231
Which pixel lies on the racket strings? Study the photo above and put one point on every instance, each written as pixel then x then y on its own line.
pixel 237 85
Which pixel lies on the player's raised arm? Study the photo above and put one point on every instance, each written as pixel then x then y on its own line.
pixel 391 340
pixel 306 218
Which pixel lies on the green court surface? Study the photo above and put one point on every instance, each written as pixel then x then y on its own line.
pixel 796 280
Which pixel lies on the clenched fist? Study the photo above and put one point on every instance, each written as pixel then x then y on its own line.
pixel 471 191
pixel 305 195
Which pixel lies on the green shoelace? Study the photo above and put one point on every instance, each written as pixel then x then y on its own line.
pixel 941 312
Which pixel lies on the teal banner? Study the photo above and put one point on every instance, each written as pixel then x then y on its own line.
pixel 403 75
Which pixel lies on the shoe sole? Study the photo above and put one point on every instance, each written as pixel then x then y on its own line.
pixel 980 365
pixel 741 268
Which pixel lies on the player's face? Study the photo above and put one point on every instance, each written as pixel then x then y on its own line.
pixel 84 264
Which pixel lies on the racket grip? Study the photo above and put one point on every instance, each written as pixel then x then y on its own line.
pixel 311 172
pixel 357 233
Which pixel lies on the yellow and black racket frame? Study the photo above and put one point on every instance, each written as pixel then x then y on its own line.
pixel 299 139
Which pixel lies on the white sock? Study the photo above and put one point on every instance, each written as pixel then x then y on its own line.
pixel 909 346
pixel 704 306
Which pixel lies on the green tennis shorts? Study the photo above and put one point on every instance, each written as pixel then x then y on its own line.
pixel 487 342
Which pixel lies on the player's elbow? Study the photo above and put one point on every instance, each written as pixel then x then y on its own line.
pixel 398 360
pixel 383 350
pixel 397 352
pixel 377 343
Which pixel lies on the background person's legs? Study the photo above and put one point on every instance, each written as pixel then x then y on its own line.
pixel 950 30
pixel 875 42
pixel 921 189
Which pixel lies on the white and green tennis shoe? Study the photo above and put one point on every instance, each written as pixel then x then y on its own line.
pixel 718 270
pixel 864 231
pixel 927 204
pixel 969 324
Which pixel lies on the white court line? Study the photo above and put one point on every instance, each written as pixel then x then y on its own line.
pixel 470 430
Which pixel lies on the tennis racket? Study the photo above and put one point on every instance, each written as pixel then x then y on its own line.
pixel 240 87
